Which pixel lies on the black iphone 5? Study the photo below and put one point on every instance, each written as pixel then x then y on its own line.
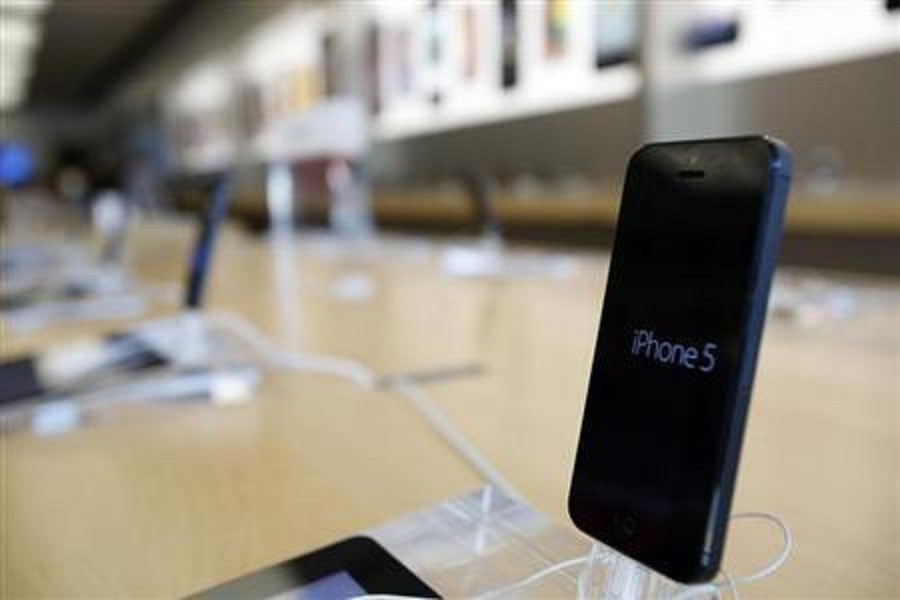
pixel 696 244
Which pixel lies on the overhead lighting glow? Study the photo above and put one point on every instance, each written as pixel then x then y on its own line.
pixel 14 77
pixel 20 33
pixel 15 57
pixel 24 7
pixel 10 96
pixel 206 85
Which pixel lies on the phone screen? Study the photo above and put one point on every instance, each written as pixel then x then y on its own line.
pixel 669 374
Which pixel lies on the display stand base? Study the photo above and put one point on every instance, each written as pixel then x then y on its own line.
pixel 490 258
pixel 366 250
pixel 199 361
pixel 64 284
pixel 609 575
pixel 486 544
pixel 92 308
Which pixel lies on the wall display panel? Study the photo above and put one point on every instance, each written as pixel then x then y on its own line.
pixel 726 40
pixel 201 118
pixel 508 59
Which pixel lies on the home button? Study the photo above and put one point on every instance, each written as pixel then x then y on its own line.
pixel 627 525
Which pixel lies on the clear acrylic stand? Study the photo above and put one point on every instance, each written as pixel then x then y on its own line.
pixel 490 257
pixel 55 415
pixel 608 575
pixel 201 359
pixel 102 296
pixel 350 209
pixel 486 544
pixel 105 308
pixel 352 285
pixel 351 215
pixel 50 283
pixel 281 196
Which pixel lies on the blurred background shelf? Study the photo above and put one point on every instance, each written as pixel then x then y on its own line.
pixel 851 215
pixel 548 92
pixel 616 84
pixel 772 38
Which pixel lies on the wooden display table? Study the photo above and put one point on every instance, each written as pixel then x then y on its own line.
pixel 166 500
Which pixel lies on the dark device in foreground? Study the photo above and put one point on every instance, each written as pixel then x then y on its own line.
pixel 696 244
pixel 350 568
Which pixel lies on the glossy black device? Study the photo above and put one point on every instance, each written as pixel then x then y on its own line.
pixel 353 567
pixel 210 220
pixel 20 378
pixel 696 243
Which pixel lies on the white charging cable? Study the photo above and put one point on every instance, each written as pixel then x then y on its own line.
pixel 364 377
pixel 782 557
pixel 444 427
pixel 351 370
pixel 458 442
pixel 361 375
pixel 730 582
pixel 535 577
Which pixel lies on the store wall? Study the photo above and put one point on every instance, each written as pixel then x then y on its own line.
pixel 208 31
pixel 593 142
pixel 845 114
pixel 45 130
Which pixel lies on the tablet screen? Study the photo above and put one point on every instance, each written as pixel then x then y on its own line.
pixel 336 585
pixel 347 569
